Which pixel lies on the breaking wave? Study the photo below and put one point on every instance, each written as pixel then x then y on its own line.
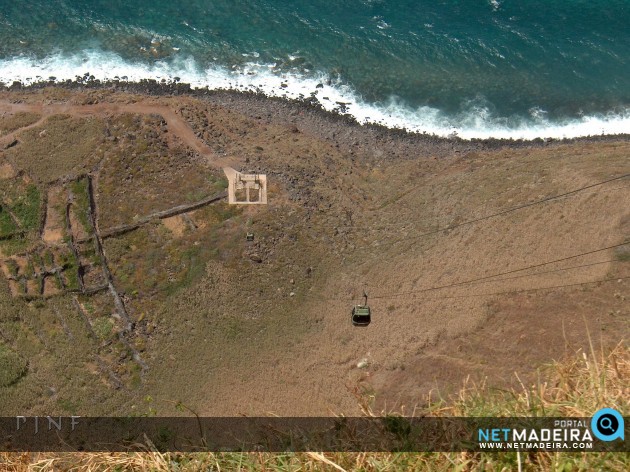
pixel 475 121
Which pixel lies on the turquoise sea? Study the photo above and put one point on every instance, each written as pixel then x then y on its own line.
pixel 477 68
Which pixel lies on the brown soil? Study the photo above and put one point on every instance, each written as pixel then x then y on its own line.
pixel 176 124
pixel 5 268
pixel 78 230
pixel 32 287
pixel 7 171
pixel 14 288
pixel 175 225
pixel 520 331
pixel 22 263
pixel 229 326
pixel 93 277
pixel 54 229
pixel 50 287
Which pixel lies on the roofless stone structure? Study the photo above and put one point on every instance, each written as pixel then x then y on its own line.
pixel 246 189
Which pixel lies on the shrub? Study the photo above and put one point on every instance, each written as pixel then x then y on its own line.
pixel 12 366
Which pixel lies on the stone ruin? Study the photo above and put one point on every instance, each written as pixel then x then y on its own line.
pixel 246 189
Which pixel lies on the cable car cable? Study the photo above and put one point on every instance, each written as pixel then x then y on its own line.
pixel 486 277
pixel 510 292
pixel 411 226
pixel 504 212
pixel 491 276
pixel 563 195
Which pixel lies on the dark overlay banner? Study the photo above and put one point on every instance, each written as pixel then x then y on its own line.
pixel 273 434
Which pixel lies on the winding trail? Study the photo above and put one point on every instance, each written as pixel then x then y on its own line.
pixel 176 124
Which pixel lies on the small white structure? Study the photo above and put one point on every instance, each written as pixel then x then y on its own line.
pixel 246 189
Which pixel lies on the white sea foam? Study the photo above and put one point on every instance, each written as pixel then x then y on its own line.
pixel 475 122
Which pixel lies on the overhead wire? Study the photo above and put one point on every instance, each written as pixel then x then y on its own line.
pixel 504 212
pixel 500 213
pixel 513 271
pixel 608 261
pixel 484 279
pixel 407 225
pixel 493 215
pixel 511 292
pixel 493 276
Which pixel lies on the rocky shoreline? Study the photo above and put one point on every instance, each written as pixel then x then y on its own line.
pixel 306 114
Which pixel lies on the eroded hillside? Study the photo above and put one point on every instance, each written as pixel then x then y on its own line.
pixel 128 284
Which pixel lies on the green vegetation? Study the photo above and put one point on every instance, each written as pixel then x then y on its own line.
pixel 82 202
pixel 12 266
pixel 72 279
pixel 68 406
pixel 103 327
pixel 15 245
pixel 195 195
pixel 58 284
pixel 222 211
pixel 27 209
pixel 38 262
pixel 20 213
pixel 89 306
pixel 30 268
pixel 22 286
pixel 71 270
pixel 7 225
pixel 622 253
pixel 218 183
pixel 149 260
pixel 135 371
pixel 49 259
pixel 193 262
pixel 12 366
pixel 88 252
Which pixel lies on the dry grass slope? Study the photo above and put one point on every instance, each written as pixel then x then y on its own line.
pixel 575 387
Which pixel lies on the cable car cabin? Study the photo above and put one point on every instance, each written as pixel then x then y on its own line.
pixel 361 315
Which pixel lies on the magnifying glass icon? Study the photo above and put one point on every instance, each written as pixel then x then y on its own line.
pixel 606 423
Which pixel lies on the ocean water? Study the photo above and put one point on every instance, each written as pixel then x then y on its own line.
pixel 475 68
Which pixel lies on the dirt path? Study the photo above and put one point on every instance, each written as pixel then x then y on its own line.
pixel 7 139
pixel 176 124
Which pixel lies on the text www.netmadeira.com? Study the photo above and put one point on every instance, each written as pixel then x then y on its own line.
pixel 535 445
